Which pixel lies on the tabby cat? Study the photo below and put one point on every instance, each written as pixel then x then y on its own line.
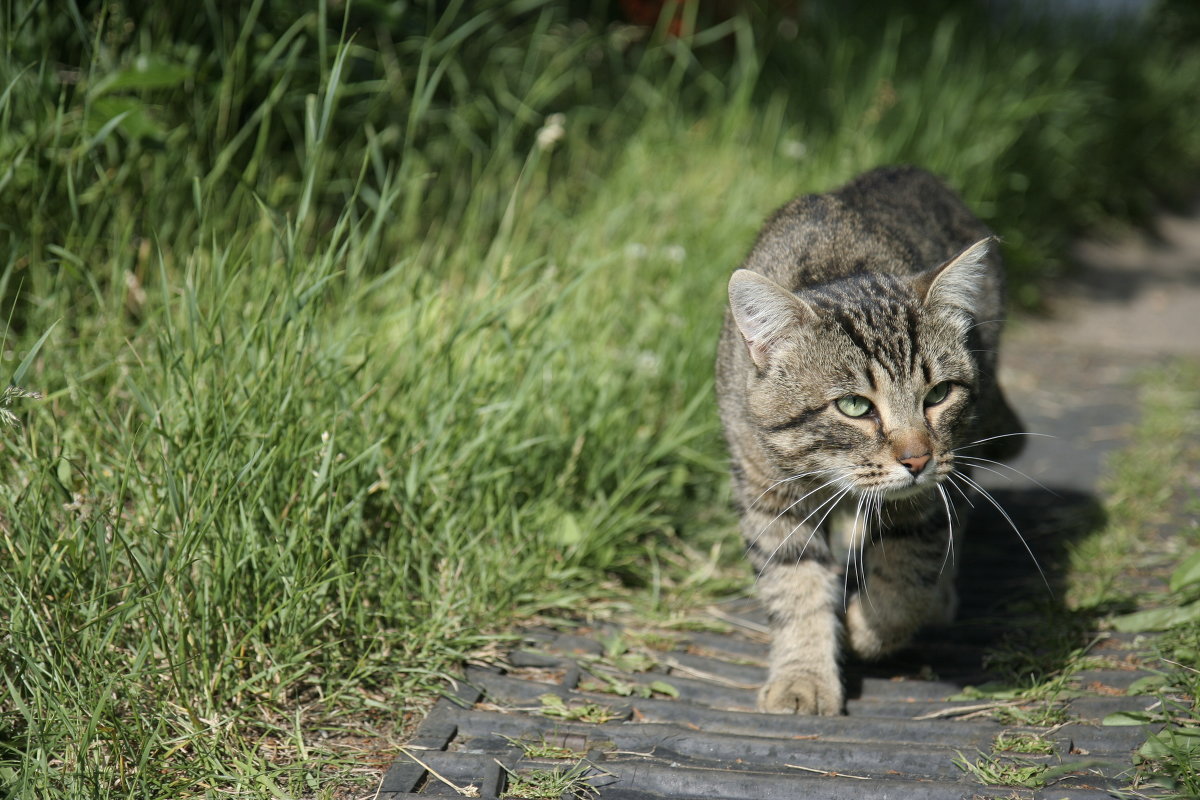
pixel 856 378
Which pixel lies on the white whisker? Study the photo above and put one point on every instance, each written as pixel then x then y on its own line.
pixel 949 557
pixel 794 503
pixel 974 459
pixel 959 489
pixel 788 479
pixel 873 498
pixel 987 496
pixel 849 554
pixel 860 511
pixel 831 502
pixel 978 442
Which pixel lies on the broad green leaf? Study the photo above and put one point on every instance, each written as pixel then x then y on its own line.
pixel 633 662
pixel 1172 742
pixel 146 72
pixel 662 687
pixel 569 534
pixel 614 645
pixel 552 703
pixel 1157 619
pixel 1128 718
pixel 1147 685
pixel 1187 573
pixel 994 690
pixel 133 117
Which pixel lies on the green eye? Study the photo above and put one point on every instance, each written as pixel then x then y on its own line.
pixel 853 405
pixel 937 394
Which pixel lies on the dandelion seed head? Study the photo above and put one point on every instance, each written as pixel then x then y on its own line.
pixel 675 253
pixel 551 132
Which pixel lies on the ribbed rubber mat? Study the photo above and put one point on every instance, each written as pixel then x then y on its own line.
pixel 696 735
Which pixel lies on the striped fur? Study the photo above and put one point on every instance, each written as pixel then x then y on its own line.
pixel 890 291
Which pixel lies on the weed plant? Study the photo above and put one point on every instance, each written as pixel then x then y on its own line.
pixel 365 328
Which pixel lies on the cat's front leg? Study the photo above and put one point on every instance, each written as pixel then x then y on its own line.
pixel 799 588
pixel 910 582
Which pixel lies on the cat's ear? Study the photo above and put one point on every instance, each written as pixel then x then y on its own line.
pixel 763 311
pixel 958 282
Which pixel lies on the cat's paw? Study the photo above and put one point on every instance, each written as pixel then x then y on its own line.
pixel 874 630
pixel 800 691
pixel 871 634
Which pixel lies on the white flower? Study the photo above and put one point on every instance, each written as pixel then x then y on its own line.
pixel 794 148
pixel 648 363
pixel 551 132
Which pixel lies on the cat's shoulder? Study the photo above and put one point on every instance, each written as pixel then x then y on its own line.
pixel 891 187
pixel 899 187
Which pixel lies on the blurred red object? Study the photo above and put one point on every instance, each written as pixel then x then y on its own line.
pixel 648 12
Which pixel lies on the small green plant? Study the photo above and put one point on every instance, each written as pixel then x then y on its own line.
pixel 624 653
pixel 10 395
pixel 1041 662
pixel 1170 757
pixel 550 784
pixel 13 392
pixel 555 706
pixel 1035 705
pixel 993 771
pixel 1182 606
pixel 1023 742
pixel 608 683
pixel 660 641
pixel 1040 715
pixel 542 748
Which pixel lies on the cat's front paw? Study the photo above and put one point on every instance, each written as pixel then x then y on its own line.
pixel 863 633
pixel 800 691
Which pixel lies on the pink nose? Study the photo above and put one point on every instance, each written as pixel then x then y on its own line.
pixel 915 464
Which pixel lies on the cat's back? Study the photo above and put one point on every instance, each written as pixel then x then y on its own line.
pixel 897 220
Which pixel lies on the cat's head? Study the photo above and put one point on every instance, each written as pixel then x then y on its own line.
pixel 868 381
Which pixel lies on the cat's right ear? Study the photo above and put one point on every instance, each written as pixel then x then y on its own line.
pixel 763 312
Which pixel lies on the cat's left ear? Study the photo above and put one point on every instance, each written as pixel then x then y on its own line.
pixel 958 282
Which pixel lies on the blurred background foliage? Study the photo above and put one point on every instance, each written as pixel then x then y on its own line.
pixel 1093 121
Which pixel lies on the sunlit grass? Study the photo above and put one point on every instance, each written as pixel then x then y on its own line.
pixel 356 352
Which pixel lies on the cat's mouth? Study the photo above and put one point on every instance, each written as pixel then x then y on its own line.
pixel 906 491
pixel 908 487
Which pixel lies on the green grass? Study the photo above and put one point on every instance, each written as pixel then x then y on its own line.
pixel 1023 742
pixel 1148 485
pixel 545 749
pixel 343 370
pixel 992 771
pixel 1149 530
pixel 1170 758
pixel 550 784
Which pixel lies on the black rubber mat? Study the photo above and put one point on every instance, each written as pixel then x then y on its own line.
pixel 695 734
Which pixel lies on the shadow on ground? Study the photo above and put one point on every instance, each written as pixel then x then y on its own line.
pixel 1013 625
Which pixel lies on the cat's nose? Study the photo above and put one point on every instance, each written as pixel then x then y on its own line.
pixel 914 464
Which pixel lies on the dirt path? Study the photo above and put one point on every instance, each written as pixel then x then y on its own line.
pixel 1135 303
pixel 1071 375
